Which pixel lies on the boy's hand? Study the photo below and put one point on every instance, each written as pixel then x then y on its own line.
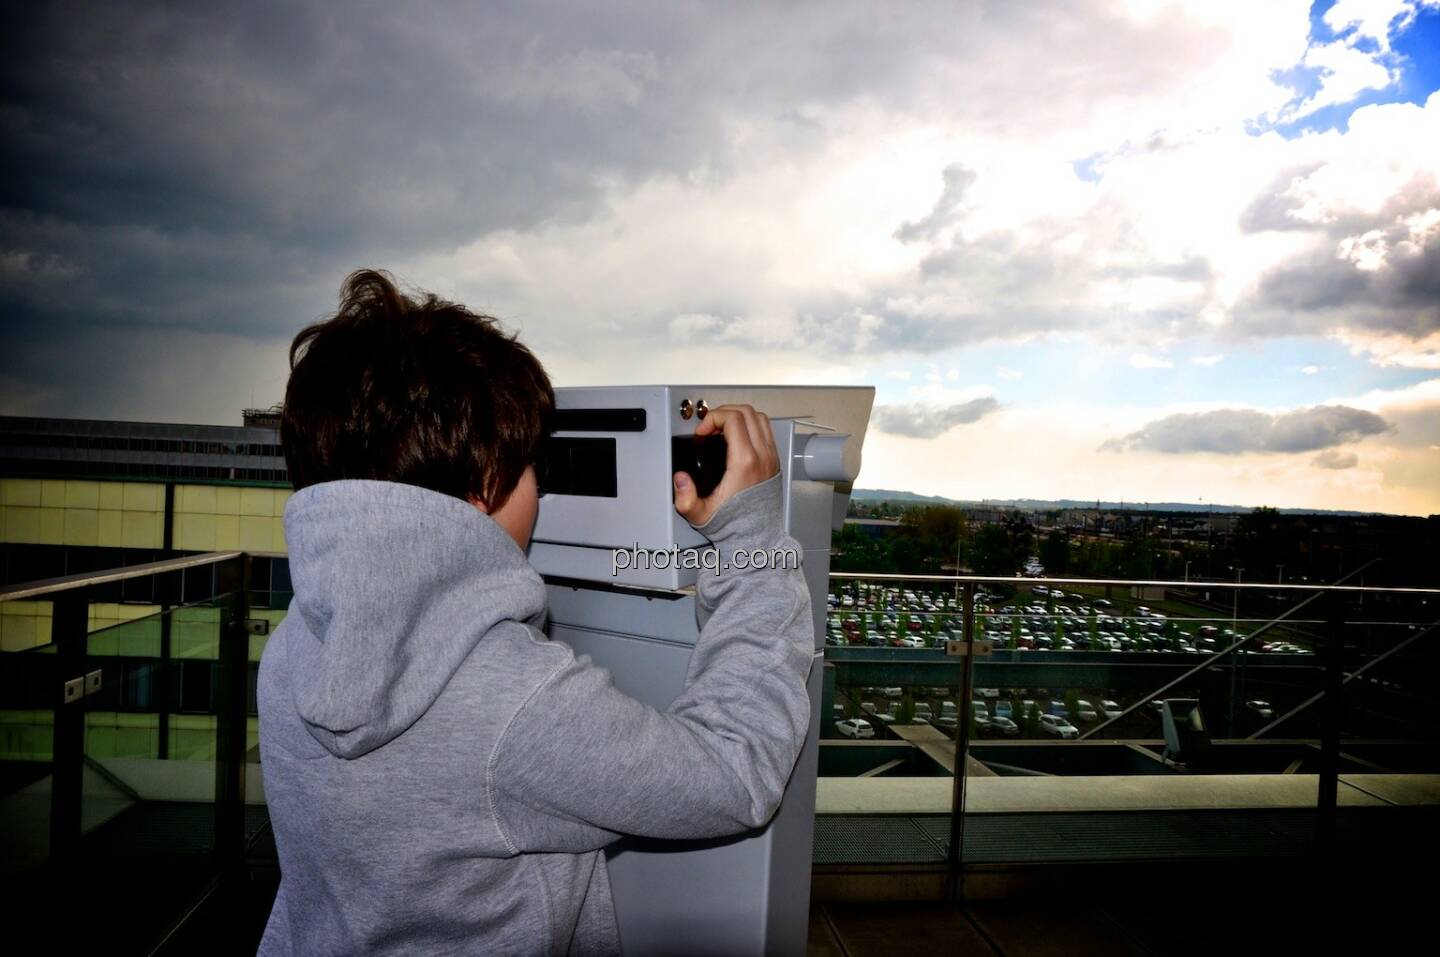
pixel 750 458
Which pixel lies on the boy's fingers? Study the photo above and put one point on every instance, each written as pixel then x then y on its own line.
pixel 750 458
pixel 686 501
pixel 761 439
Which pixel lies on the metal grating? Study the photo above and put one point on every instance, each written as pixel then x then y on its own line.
pixel 1031 838
pixel 873 839
pixel 1006 838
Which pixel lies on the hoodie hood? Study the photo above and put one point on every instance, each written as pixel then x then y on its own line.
pixel 394 586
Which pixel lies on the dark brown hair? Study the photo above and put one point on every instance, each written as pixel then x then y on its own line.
pixel 413 390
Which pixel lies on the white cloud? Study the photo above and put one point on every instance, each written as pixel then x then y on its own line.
pixel 1207 360
pixel 1142 361
pixel 1008 374
pixel 1310 369
pixel 1335 459
pixel 1394 349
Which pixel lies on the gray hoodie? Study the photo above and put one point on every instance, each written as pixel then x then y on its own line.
pixel 442 777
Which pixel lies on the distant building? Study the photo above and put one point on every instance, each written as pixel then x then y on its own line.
pixel 982 514
pixel 81 495
pixel 876 528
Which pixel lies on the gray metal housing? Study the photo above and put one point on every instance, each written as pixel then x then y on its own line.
pixel 749 894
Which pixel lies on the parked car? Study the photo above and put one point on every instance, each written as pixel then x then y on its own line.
pixel 855 728
pixel 1003 708
pixel 1003 726
pixel 1058 727
pixel 1085 712
pixel 1260 708
pixel 1110 709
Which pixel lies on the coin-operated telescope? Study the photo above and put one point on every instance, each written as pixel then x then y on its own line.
pixel 605 478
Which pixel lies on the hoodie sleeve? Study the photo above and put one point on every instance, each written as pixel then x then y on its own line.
pixel 716 762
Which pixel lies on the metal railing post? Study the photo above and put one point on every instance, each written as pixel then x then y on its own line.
pixel 965 714
pixel 1332 714
pixel 233 577
pixel 69 624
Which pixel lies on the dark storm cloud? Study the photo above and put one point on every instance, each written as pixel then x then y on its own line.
pixel 1233 431
pixel 921 421
pixel 206 167
pixel 1397 290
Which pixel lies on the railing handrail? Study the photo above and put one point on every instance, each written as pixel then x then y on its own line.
pixel 50 586
pixel 1127 582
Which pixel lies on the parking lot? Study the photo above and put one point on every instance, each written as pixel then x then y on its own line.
pixel 1032 617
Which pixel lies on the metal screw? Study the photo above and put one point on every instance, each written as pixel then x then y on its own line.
pixel 701 408
pixel 686 409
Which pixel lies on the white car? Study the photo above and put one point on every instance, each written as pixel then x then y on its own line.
pixel 1058 727
pixel 855 728
pixel 1261 708
pixel 912 641
pixel 1110 709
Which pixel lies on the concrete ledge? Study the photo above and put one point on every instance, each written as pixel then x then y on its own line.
pixel 1143 792
pixel 1410 790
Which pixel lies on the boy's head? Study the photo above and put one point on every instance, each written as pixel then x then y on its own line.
pixel 416 390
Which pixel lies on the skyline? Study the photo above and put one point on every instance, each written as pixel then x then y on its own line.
pixel 1139 251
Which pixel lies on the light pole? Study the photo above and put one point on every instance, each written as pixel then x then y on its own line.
pixel 1187 575
pixel 1234 630
pixel 1279 574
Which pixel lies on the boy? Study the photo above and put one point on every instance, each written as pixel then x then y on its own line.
pixel 441 777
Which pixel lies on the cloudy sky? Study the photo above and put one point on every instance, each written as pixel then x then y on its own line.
pixel 1148 251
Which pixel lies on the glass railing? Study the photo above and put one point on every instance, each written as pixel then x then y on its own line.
pixel 1104 720
pixel 126 743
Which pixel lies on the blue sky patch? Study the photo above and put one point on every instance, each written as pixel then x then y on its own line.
pixel 1414 55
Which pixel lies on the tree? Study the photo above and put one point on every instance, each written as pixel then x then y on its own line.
pixel 1030 720
pixel 1055 551
pixel 992 552
pixel 940 531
